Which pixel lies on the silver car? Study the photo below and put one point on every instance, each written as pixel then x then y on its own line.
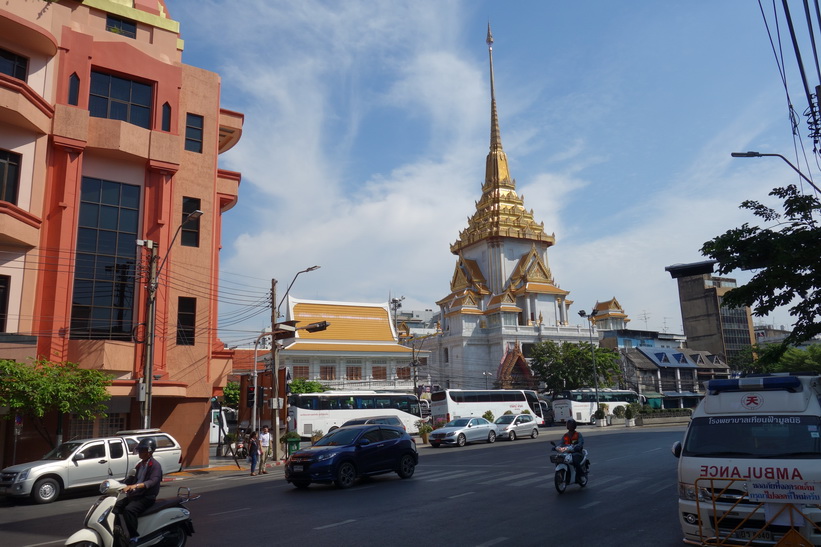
pixel 461 431
pixel 513 426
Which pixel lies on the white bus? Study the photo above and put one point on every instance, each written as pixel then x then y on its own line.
pixel 462 403
pixel 580 404
pixel 309 412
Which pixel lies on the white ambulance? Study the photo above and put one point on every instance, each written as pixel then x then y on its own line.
pixel 749 470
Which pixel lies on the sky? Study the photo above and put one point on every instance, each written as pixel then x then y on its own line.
pixel 367 127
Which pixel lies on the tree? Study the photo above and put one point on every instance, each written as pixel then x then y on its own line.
pixel 786 261
pixel 40 387
pixel 306 386
pixel 570 366
pixel 789 360
pixel 230 394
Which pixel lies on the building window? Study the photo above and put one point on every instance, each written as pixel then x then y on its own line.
pixel 403 373
pixel 118 98
pixel 186 321
pixel 104 280
pixel 166 117
pixel 193 133
pixel 380 373
pixel 327 373
pixel 121 26
pixel 5 287
pixel 353 373
pixel 13 65
pixel 9 176
pixel 300 372
pixel 190 232
pixel 74 89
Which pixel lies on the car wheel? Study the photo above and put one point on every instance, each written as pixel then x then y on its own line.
pixel 435 445
pixel 534 433
pixel 345 475
pixel 461 440
pixel 406 467
pixel 558 480
pixel 512 436
pixel 45 490
pixel 302 485
pixel 491 437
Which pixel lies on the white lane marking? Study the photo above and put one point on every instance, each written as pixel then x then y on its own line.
pixel 453 476
pixel 492 542
pixel 459 495
pixel 508 478
pixel 530 481
pixel 621 485
pixel 335 524
pixel 589 505
pixel 231 511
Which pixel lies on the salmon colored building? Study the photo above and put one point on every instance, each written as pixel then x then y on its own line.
pixel 108 140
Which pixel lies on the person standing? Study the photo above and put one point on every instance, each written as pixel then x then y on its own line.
pixel 253 452
pixel 265 439
pixel 142 487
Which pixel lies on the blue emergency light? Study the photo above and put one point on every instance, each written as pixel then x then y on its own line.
pixel 757 383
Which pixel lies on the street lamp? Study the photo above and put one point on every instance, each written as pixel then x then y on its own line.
pixel 590 317
pixel 151 319
pixel 486 374
pixel 760 155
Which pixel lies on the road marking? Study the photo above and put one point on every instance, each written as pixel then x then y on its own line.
pixel 460 495
pixel 231 511
pixel 335 524
pixel 658 489
pixel 589 505
pixel 621 485
pixel 492 542
pixel 529 481
pixel 509 478
pixel 453 476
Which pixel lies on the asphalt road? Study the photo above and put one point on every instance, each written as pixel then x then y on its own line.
pixel 479 495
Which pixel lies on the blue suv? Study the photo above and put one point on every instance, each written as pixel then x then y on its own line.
pixel 353 451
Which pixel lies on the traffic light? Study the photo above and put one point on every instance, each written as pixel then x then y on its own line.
pixel 262 397
pixel 250 396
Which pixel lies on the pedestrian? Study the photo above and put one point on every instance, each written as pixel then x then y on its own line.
pixel 265 446
pixel 253 452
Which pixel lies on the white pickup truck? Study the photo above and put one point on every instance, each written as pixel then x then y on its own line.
pixel 84 463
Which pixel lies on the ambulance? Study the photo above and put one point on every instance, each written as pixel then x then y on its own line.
pixel 749 469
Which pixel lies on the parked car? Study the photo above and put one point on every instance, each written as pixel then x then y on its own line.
pixel 461 431
pixel 353 451
pixel 513 426
pixel 84 463
pixel 384 420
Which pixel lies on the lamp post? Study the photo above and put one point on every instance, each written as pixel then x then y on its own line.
pixel 486 375
pixel 151 319
pixel 275 352
pixel 760 155
pixel 590 317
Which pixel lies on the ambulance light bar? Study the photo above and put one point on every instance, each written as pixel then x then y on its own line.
pixel 788 383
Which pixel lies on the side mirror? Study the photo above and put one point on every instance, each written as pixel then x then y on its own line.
pixel 676 449
pixel 364 442
pixel 78 456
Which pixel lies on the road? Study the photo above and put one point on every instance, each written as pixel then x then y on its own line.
pixel 480 495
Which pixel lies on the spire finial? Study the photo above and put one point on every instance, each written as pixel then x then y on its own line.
pixel 495 134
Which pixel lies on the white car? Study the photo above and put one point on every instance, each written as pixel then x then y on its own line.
pixel 461 431
pixel 514 426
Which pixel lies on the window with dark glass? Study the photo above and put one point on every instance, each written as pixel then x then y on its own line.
pixel 119 98
pixel 166 117
pixel 5 287
pixel 74 89
pixel 13 65
pixel 193 133
pixel 118 25
pixel 9 176
pixel 186 320
pixel 104 271
pixel 190 233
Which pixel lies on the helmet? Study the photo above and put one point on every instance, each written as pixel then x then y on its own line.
pixel 147 443
pixel 571 424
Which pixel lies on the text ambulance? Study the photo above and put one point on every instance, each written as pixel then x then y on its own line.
pixel 749 469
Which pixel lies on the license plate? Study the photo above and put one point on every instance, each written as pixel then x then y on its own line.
pixel 297 469
pixel 765 535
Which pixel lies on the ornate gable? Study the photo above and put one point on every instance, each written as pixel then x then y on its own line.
pixel 514 372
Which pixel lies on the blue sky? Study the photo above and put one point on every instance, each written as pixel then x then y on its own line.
pixel 367 126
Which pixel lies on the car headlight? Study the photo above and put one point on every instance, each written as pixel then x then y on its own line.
pixel 23 475
pixel 325 456
pixel 451 434
pixel 688 491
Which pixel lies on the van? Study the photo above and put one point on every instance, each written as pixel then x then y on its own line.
pixel 749 469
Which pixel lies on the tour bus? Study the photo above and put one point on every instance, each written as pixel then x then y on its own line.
pixel 461 403
pixel 580 404
pixel 749 468
pixel 310 412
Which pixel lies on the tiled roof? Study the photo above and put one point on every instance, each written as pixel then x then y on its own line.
pixel 348 321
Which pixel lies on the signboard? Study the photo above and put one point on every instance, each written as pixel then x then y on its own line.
pixel 783 491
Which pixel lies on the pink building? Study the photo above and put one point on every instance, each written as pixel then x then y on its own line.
pixel 107 138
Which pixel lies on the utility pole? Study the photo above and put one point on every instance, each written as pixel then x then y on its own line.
pixel 151 325
pixel 275 366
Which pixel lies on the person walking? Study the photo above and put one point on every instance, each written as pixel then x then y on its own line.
pixel 265 439
pixel 253 452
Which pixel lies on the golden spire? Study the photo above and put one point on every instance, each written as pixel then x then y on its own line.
pixel 500 212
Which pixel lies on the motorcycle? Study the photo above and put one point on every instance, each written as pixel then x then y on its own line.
pixel 166 523
pixel 565 470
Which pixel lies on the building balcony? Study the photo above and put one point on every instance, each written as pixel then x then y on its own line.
pixel 21 106
pixel 18 228
pixel 230 129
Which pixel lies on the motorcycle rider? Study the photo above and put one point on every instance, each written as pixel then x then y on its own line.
pixel 573 441
pixel 142 488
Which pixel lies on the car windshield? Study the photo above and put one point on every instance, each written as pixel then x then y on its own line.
pixel 63 451
pixel 339 437
pixel 462 422
pixel 760 436
pixel 506 419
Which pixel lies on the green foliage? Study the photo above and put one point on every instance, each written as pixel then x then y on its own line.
pixel 599 414
pixel 629 412
pixel 423 426
pixel 488 416
pixel 570 366
pixel 786 261
pixel 306 386
pixel 774 358
pixel 619 411
pixel 231 395
pixel 289 436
